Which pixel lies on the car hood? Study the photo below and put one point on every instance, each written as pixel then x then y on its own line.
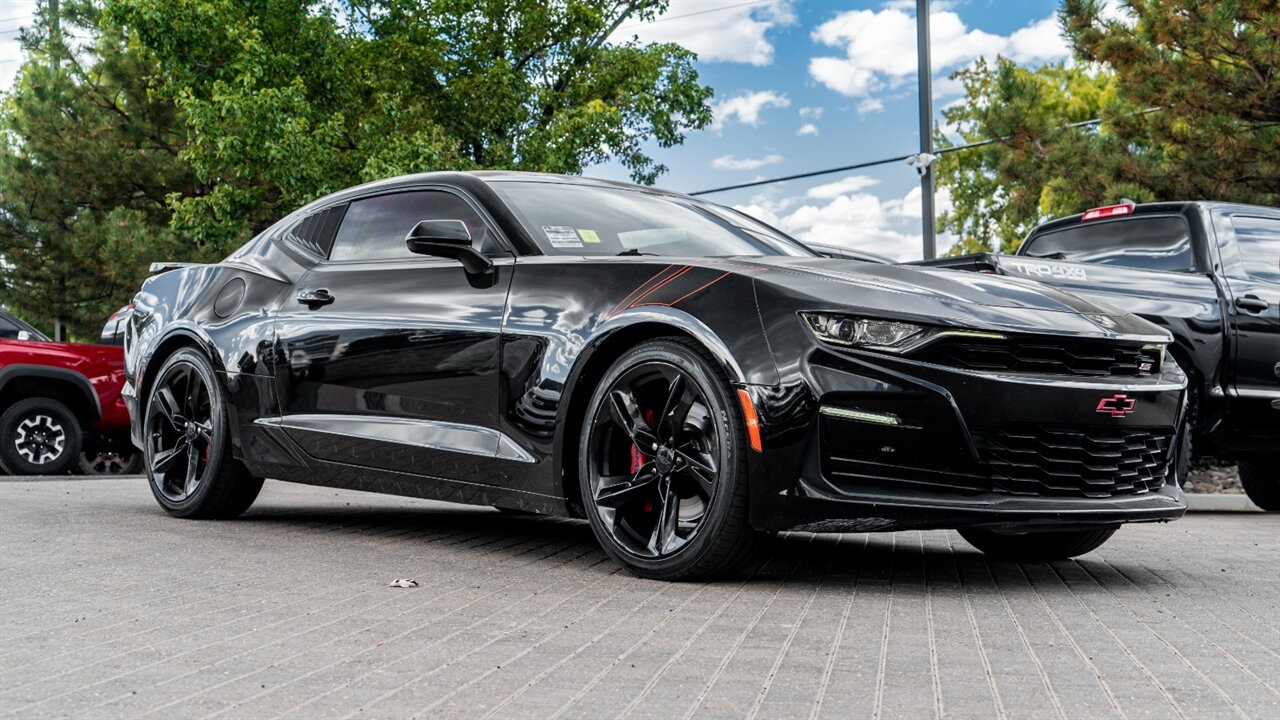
pixel 947 297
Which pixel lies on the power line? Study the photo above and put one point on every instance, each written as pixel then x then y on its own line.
pixel 666 18
pixel 882 161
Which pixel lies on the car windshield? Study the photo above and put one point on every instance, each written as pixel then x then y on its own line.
pixel 568 219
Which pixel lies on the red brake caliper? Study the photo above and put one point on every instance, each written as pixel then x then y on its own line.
pixel 638 459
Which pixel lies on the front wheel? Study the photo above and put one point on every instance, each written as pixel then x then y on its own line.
pixel 38 436
pixel 662 465
pixel 1261 483
pixel 1053 545
pixel 187 443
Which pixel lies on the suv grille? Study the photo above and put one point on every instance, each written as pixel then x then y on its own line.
pixel 1044 355
pixel 1075 462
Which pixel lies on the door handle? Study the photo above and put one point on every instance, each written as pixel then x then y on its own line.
pixel 315 298
pixel 1251 303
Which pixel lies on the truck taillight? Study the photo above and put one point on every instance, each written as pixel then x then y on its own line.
pixel 1109 211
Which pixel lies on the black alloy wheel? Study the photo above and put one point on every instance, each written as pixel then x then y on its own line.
pixel 38 436
pixel 188 458
pixel 180 423
pixel 662 467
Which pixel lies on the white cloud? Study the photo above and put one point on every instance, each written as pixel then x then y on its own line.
pixel 746 108
pixel 729 162
pixel 850 184
pixel 870 105
pixel 840 214
pixel 807 129
pixel 10 50
pixel 717 30
pixel 811 113
pixel 879 48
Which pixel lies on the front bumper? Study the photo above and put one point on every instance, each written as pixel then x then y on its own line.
pixel 868 442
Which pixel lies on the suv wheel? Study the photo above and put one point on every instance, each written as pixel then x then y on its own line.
pixel 38 436
pixel 187 448
pixel 662 465
pixel 1050 545
pixel 1261 483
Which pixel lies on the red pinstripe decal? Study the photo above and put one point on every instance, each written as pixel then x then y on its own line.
pixel 639 288
pixel 686 295
pixel 659 286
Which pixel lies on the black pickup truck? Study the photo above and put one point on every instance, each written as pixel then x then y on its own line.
pixel 1207 272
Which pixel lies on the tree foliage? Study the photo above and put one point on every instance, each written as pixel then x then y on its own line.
pixel 186 126
pixel 286 102
pixel 87 159
pixel 1189 97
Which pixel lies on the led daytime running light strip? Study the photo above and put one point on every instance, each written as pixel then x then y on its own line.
pixel 874 418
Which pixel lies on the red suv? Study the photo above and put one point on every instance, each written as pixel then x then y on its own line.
pixel 60 405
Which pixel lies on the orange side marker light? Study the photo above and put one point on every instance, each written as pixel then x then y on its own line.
pixel 753 422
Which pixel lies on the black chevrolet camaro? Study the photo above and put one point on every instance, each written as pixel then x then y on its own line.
pixel 683 376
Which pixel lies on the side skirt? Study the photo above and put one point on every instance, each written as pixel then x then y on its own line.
pixel 272 454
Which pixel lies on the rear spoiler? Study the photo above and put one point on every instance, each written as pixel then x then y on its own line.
pixel 977 262
pixel 160 267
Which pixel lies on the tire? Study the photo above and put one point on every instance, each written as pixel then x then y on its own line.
pixel 1053 545
pixel 110 463
pixel 1261 481
pixel 694 482
pixel 189 465
pixel 39 436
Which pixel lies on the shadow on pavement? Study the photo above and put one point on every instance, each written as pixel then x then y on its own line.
pixel 798 559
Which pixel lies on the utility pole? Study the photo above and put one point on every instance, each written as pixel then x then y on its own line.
pixel 55 41
pixel 924 162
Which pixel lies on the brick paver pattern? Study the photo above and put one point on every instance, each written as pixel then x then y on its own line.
pixel 111 609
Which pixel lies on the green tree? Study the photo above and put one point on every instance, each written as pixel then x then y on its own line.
pixel 1189 98
pixel 87 159
pixel 286 102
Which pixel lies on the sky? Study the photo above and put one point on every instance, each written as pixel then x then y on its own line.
pixel 803 85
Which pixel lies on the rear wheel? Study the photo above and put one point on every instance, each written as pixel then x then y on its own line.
pixel 1261 483
pixel 187 447
pixel 662 465
pixel 1053 545
pixel 38 436
pixel 110 462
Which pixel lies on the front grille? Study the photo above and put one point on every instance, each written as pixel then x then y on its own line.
pixel 1075 462
pixel 1044 355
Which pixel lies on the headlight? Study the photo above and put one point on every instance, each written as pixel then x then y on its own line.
pixel 861 332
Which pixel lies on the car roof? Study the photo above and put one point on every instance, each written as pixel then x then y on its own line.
pixel 471 178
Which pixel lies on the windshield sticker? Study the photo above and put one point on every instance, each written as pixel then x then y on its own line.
pixel 562 236
pixel 1053 271
pixel 589 236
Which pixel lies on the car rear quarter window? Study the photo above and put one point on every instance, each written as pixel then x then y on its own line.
pixel 1259 242
pixel 375 228
pixel 316 231
pixel 1154 242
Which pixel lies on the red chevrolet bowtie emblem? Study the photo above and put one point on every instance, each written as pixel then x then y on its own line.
pixel 1117 405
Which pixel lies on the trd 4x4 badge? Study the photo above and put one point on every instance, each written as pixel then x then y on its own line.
pixel 1117 405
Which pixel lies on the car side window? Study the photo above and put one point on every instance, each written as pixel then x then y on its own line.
pixel 1259 242
pixel 375 228
pixel 8 330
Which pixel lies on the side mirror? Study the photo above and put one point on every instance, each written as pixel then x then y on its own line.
pixel 24 335
pixel 448 239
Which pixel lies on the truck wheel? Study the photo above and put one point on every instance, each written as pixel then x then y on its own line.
pixel 109 462
pixel 38 436
pixel 1055 545
pixel 1262 484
